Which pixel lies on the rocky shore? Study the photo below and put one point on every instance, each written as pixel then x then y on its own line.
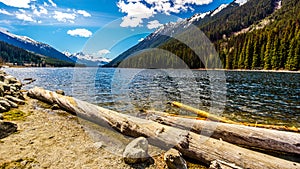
pixel 37 135
pixel 10 97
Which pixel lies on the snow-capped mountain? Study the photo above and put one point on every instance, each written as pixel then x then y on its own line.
pixel 220 8
pixel 199 16
pixel 29 44
pixel 87 59
pixel 236 16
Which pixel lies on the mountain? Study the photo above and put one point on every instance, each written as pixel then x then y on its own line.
pixel 87 59
pixel 32 45
pixel 11 55
pixel 246 33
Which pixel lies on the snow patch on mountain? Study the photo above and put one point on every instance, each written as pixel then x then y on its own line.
pixel 220 8
pixel 22 38
pixel 199 16
pixel 87 59
pixel 278 5
pixel 241 2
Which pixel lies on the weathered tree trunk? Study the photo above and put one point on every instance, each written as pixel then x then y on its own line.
pixel 190 144
pixel 267 139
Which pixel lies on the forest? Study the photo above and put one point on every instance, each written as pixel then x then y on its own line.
pixel 262 34
pixel 277 46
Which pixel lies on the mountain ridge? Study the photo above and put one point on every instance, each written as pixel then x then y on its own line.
pixel 32 45
pixel 220 29
pixel 87 59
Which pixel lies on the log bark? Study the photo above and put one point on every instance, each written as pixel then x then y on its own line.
pixel 190 144
pixel 274 140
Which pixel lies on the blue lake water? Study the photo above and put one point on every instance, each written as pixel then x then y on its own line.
pixel 262 97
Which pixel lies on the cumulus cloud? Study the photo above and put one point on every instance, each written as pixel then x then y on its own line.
pixel 153 24
pixel 103 52
pixel 5 12
pixel 45 4
pixel 64 17
pixel 137 10
pixel 41 11
pixel 52 3
pixel 84 13
pixel 17 3
pixel 80 32
pixel 25 17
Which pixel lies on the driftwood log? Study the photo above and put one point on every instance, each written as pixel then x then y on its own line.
pixel 274 140
pixel 190 144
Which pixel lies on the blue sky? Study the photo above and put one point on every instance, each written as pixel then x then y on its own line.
pixel 98 27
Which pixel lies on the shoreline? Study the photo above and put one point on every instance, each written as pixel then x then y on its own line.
pixel 49 138
pixel 35 134
pixel 199 69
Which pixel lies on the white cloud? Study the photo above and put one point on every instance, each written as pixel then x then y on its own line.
pixel 5 12
pixel 25 17
pixel 45 4
pixel 80 32
pixel 41 11
pixel 52 3
pixel 154 24
pixel 5 22
pixel 17 3
pixel 64 17
pixel 129 21
pixel 137 10
pixel 84 13
pixel 103 52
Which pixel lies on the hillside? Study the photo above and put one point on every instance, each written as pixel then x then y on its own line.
pixel 246 35
pixel 21 57
pixel 32 45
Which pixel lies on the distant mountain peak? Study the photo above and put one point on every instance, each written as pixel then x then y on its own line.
pixel 87 59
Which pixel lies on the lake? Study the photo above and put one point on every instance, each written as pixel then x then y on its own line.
pixel 246 96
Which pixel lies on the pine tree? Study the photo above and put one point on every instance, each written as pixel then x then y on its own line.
pixel 290 64
pixel 241 61
pixel 255 61
pixel 283 51
pixel 249 54
pixel 267 56
pixel 297 55
pixel 275 59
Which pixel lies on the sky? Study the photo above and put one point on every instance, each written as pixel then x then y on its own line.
pixel 103 28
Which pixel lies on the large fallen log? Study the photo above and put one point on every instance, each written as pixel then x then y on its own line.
pixel 190 144
pixel 271 140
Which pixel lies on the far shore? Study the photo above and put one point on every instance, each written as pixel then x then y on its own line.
pixel 200 69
